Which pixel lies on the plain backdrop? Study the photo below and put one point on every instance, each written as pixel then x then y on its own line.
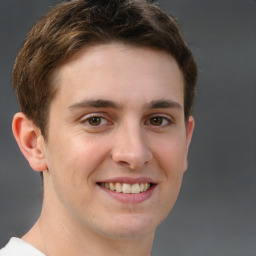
pixel 216 211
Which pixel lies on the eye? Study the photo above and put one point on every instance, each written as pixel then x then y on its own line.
pixel 158 121
pixel 96 121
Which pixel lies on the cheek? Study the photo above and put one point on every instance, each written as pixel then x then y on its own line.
pixel 75 159
pixel 172 155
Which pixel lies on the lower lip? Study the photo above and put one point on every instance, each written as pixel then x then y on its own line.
pixel 130 198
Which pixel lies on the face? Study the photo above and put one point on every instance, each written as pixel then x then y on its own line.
pixel 117 141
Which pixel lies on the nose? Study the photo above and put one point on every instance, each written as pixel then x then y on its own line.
pixel 130 148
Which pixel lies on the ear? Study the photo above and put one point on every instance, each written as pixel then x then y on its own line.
pixel 189 132
pixel 30 141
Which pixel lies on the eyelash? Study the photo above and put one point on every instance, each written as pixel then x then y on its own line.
pixel 164 121
pixel 102 122
pixel 98 118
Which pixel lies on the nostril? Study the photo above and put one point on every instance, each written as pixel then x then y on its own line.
pixel 128 165
pixel 123 163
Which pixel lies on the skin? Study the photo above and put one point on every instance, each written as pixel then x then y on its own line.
pixel 139 132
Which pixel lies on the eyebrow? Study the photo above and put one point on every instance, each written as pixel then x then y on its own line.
pixel 101 103
pixel 163 103
pixel 90 103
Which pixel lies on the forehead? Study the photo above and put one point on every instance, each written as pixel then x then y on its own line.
pixel 119 71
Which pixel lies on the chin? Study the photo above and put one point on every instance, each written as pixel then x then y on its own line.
pixel 132 226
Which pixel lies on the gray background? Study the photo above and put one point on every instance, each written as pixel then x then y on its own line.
pixel 216 210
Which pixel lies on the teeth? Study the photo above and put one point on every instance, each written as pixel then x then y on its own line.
pixel 112 186
pixel 118 187
pixel 126 188
pixel 146 186
pixel 135 188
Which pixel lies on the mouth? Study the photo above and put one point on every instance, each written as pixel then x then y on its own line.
pixel 126 188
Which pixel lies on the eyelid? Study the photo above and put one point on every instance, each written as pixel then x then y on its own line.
pixel 164 116
pixel 93 114
pixel 84 120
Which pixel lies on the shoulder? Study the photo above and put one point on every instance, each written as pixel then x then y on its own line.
pixel 18 247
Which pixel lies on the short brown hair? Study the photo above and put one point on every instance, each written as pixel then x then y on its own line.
pixel 72 25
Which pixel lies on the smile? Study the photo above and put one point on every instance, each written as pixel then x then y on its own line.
pixel 126 188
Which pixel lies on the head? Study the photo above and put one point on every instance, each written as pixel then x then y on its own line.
pixel 72 26
pixel 106 90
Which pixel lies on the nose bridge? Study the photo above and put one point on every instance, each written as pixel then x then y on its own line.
pixel 131 147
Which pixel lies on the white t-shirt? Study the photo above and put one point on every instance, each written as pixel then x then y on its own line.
pixel 18 247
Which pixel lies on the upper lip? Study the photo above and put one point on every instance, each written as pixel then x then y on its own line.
pixel 129 180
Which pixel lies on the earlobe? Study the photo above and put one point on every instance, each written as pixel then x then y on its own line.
pixel 30 141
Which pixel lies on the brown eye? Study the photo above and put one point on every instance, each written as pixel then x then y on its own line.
pixel 160 121
pixel 156 121
pixel 95 121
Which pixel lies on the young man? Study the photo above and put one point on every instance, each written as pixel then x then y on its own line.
pixel 106 90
